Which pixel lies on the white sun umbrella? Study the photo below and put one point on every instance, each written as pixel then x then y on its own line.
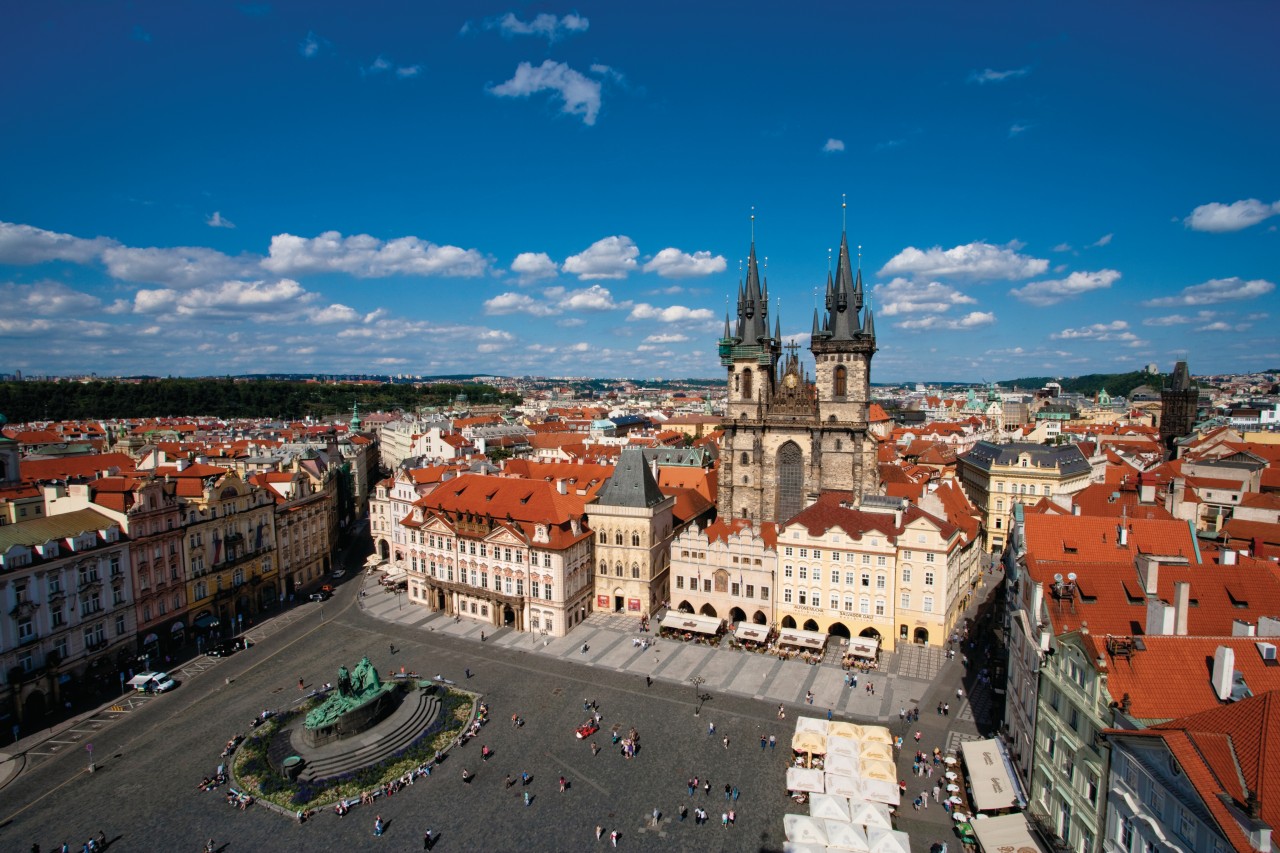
pixel 842 729
pixel 805 779
pixel 843 746
pixel 802 828
pixel 876 734
pixel 844 786
pixel 798 847
pixel 876 751
pixel 881 790
pixel 812 724
pixel 829 807
pixel 870 814
pixel 879 770
pixel 888 841
pixel 842 835
pixel 841 765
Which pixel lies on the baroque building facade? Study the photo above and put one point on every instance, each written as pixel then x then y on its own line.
pixel 786 437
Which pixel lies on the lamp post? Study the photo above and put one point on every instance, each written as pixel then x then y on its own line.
pixel 697 681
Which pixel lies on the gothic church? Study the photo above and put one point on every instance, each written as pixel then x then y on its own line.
pixel 787 437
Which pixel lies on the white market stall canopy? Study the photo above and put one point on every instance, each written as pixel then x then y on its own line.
pixel 810 742
pixel 829 807
pixel 805 779
pixel 989 777
pixel 677 621
pixel 864 647
pixel 1006 832
pixel 802 639
pixel 813 724
pixel 888 841
pixel 845 786
pixel 752 632
pixel 869 814
pixel 804 829
pixel 842 835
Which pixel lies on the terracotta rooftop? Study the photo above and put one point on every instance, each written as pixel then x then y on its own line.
pixel 1089 539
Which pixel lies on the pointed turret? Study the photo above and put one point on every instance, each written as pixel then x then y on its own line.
pixel 817 332
pixel 844 304
pixel 869 328
pixel 754 309
pixel 777 329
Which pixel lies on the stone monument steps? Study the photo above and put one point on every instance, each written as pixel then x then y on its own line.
pixel 395 733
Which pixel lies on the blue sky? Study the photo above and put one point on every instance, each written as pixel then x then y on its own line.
pixel 209 188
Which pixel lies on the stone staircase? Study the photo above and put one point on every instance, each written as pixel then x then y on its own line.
pixel 406 723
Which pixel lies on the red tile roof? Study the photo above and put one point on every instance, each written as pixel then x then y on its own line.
pixel 721 530
pixel 1086 539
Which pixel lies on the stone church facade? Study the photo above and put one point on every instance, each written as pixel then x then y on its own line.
pixel 788 437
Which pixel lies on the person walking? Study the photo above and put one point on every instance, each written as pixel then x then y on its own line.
pixel 693 783
pixel 683 812
pixel 724 819
pixel 377 825
pixel 726 741
pixel 706 787
pixel 599 832
pixel 595 748
pixel 728 791
pixel 711 729
pixel 527 799
pixel 764 741
pixel 782 712
pixel 300 684
pixel 773 742
pixel 427 840
pixel 564 784
pixel 613 838
pixel 656 815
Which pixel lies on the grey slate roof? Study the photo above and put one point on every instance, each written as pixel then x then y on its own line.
pixel 632 485
pixel 1067 458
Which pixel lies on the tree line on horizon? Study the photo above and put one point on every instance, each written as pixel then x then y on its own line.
pixel 22 402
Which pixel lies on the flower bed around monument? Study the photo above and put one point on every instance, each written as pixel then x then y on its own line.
pixel 255 776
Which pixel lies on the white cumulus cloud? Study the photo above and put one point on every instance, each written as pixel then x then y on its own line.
pixel 26 244
pixel 1043 293
pixel 666 339
pixel 1104 240
pixel 991 75
pixel 517 303
pixel 581 94
pixel 532 266
pixel 545 25
pixel 972 320
pixel 1214 291
pixel 833 145
pixel 904 296
pixel 46 297
pixel 216 220
pixel 1116 330
pixel 1218 218
pixel 671 314
pixel 368 257
pixel 974 261
pixel 610 258
pixel 176 266
pixel 673 263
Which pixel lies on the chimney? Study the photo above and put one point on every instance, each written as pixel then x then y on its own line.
pixel 1224 664
pixel 1075 509
pixel 1160 618
pixel 1146 490
pixel 1241 628
pixel 1122 536
pixel 1268 626
pixel 182 464
pixel 1228 557
pixel 1149 572
pixel 1181 604
pixel 562 487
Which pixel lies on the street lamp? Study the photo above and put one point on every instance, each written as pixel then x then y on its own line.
pixel 697 681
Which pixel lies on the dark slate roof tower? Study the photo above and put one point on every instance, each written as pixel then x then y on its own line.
pixel 789 437
pixel 632 484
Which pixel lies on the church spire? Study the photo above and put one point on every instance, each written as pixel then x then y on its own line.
pixel 844 302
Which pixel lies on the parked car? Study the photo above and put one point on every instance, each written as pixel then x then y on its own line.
pixel 327 588
pixel 152 682
pixel 339 573
pixel 322 595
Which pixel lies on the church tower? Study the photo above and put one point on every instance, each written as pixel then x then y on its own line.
pixel 787 438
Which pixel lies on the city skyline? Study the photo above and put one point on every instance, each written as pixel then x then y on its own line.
pixel 515 190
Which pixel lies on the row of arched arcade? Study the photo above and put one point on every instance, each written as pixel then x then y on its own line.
pixel 917 634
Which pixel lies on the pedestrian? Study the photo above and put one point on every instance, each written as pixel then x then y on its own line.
pixel 828 715
pixel 939 709
pixel 946 709
pixel 711 729
pixel 613 838
pixel 683 811
pixel 693 783
pixel 724 819
pixel 902 714
pixel 917 735
pixel 208 846
pixel 808 696
pixel 524 778
pixel 726 741
pixel 728 791
pixel 466 776
pixel 595 748
pixel 656 815
pixel 427 840
pixel 959 693
pixel 648 681
pixel 733 817
pixel 764 741
pixel 773 742
pixel 393 648
pixel 510 781
pixel 377 825
pixel 706 787
pixel 599 831
pixel 468 672
pixel 936 789
pixel 782 712
pixel 854 682
pixel 482 636
pixel 527 799
pixel 300 684
pixel 564 784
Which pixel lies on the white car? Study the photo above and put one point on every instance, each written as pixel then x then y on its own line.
pixel 339 573
pixel 152 682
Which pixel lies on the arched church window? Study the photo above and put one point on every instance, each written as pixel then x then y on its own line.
pixel 604 538
pixel 635 540
pixel 746 458
pixel 746 384
pixel 617 538
pixel 842 381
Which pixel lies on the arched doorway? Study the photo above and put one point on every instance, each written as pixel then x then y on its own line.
pixel 619 602
pixel 736 615
pixel 810 625
pixel 384 550
pixel 869 632
pixel 838 630
pixel 439 599
pixel 508 616
pixel 34 708
pixel 708 610
pixel 922 636
pixel 759 618
pixel 788 622
pixel 790 480
pixel 685 607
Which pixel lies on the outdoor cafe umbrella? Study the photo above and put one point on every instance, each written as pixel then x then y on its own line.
pixel 803 779
pixel 953 788
pixel 804 829
pixel 845 786
pixel 829 807
pixel 812 724
pixel 888 841
pixel 870 814
pixel 809 742
pixel 843 765
pixel 955 801
pixel 950 759
pixel 798 847
pixel 843 835
pixel 950 775
pixel 842 729
pixel 876 751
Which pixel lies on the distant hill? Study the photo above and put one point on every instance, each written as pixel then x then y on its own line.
pixel 1117 384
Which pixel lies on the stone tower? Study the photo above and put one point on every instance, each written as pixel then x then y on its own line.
pixel 1179 403
pixel 786 437
pixel 633 525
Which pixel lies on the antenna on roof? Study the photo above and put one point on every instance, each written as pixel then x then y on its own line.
pixel 1058 577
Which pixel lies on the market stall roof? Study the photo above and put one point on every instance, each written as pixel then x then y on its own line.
pixel 802 828
pixel 845 786
pixel 876 734
pixel 989 776
pixel 888 841
pixel 810 742
pixel 752 632
pixel 813 724
pixel 829 807
pixel 1006 832
pixel 798 847
pixel 678 621
pixel 877 769
pixel 843 746
pixel 845 730
pixel 844 764
pixel 881 790
pixel 814 640
pixel 864 647
pixel 869 814
pixel 805 779
pixel 876 752
pixel 842 835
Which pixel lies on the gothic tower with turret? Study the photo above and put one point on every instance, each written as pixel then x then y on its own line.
pixel 788 437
